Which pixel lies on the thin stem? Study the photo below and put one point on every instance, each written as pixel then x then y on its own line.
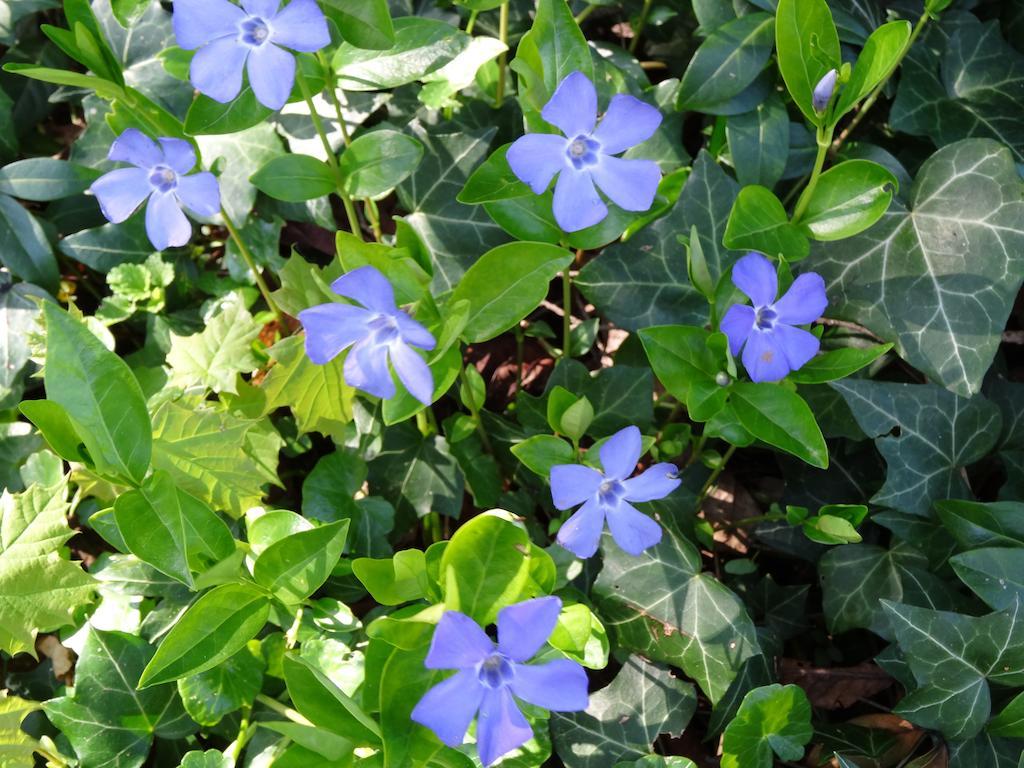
pixel 640 24
pixel 824 141
pixel 519 358
pixel 499 89
pixel 234 750
pixel 472 21
pixel 474 411
pixel 567 313
pixel 757 519
pixel 873 97
pixel 585 14
pixel 282 709
pixel 714 475
pixel 370 209
pixel 292 636
pixel 250 262
pixel 332 96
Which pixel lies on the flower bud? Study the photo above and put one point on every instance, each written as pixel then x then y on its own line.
pixel 823 91
pixel 723 379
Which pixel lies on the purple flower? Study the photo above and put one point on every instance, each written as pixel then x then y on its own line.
pixel 380 332
pixel 585 156
pixel 491 676
pixel 159 176
pixel 607 495
pixel 253 37
pixel 823 91
pixel 772 346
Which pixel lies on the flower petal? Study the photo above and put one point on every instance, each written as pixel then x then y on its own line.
pixel 763 358
pixel 573 106
pixel 823 90
pixel 366 368
pixel 135 147
pixel 559 685
pixel 577 204
pixel 501 727
pixel 414 333
pixel 121 192
pixel 197 22
pixel 216 69
pixel 178 154
pixel 332 328
pixel 413 372
pixel 448 708
pixel 199 193
pixel 271 75
pixel 621 452
pixel 755 276
pixel 535 159
pixel 798 345
pixel 632 529
pixel 301 26
pixel 581 533
pixel 630 184
pixel 265 9
pixel 572 484
pixel 166 225
pixel 524 627
pixel 804 302
pixel 369 287
pixel 656 482
pixel 736 325
pixel 458 643
pixel 627 122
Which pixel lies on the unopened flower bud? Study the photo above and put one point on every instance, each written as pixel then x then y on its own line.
pixel 723 379
pixel 823 91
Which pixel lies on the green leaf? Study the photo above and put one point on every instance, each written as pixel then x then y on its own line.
pixel 325 705
pixel 526 271
pixel 974 525
pixel 1009 722
pixel 774 718
pixel 295 178
pixel 363 23
pixel 421 46
pixel 106 247
pixel 625 717
pixel 967 193
pixel 24 247
pixel 493 180
pixel 224 689
pixel 759 143
pixel 995 574
pixel 660 605
pixel 938 434
pixel 953 657
pixel 241 154
pixel 100 395
pixel 808 48
pixel 214 357
pixel 108 722
pixel 837 364
pixel 878 58
pixel 417 474
pixel 395 580
pixel 758 222
pixel 214 628
pixel 541 452
pixel 211 758
pixel 296 566
pixel 39 588
pixel 848 198
pixel 685 364
pixel 103 88
pixel 17 748
pixel 207 117
pixel 780 417
pixel 486 566
pixel 19 316
pixel 171 530
pixel 377 162
pixel 42 179
pixel 460 73
pixel 727 62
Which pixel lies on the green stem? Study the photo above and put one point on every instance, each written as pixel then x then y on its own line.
pixel 640 24
pixel 332 96
pixel 282 709
pixel 873 97
pixel 520 339
pixel 769 518
pixel 250 262
pixel 567 313
pixel 474 411
pixel 714 475
pixel 824 138
pixel 244 733
pixel 499 88
pixel 472 21
pixel 585 14
pixel 370 208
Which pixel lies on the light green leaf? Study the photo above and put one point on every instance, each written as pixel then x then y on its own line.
pixel 325 705
pixel 773 719
pixel 214 357
pixel 848 198
pixel 781 418
pixel 211 758
pixel 296 566
pixel 758 222
pixel 241 154
pixel 377 162
pixel 17 748
pixel 459 73
pixel 363 23
pixel 19 316
pixel 42 179
pixel 225 688
pixel 837 364
pixel 394 580
pixel 879 56
pixel 1009 722
pixel 295 178
pixel 684 362
pixel 808 47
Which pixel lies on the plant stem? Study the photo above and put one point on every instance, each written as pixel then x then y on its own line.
pixel 824 138
pixel 769 518
pixel 714 475
pixel 640 24
pixel 472 21
pixel 499 88
pixel 250 262
pixel 370 209
pixel 332 96
pixel 873 97
pixel 585 14
pixel 519 358
pixel 234 750
pixel 282 709
pixel 566 313
pixel 474 411
pixel 332 160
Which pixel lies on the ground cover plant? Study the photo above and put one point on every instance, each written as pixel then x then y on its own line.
pixel 452 383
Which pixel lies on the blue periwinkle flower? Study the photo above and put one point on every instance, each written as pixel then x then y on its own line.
pixel 772 346
pixel 159 175
pixel 606 496
pixel 492 675
pixel 253 36
pixel 379 331
pixel 823 91
pixel 585 156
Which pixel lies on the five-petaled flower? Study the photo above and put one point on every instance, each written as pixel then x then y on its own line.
pixel 380 332
pixel 159 176
pixel 772 345
pixel 585 156
pixel 490 676
pixel 607 495
pixel 230 38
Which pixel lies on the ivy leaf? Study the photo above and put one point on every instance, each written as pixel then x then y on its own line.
pixel 108 722
pixel 996 574
pixel 938 279
pixel 19 315
pixel 214 357
pixel 774 718
pixel 661 605
pixel 937 434
pixel 625 717
pixel 39 588
pixel 417 474
pixel 229 686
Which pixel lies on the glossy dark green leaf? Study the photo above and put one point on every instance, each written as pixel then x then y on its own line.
pixel 208 117
pixel 779 417
pixel 377 162
pixel 848 198
pixel 541 452
pixel 727 62
pixel 363 23
pixel 808 47
pixel 42 179
pixel 685 364
pixel 295 178
pixel 226 688
pixel 493 180
pixel 759 143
